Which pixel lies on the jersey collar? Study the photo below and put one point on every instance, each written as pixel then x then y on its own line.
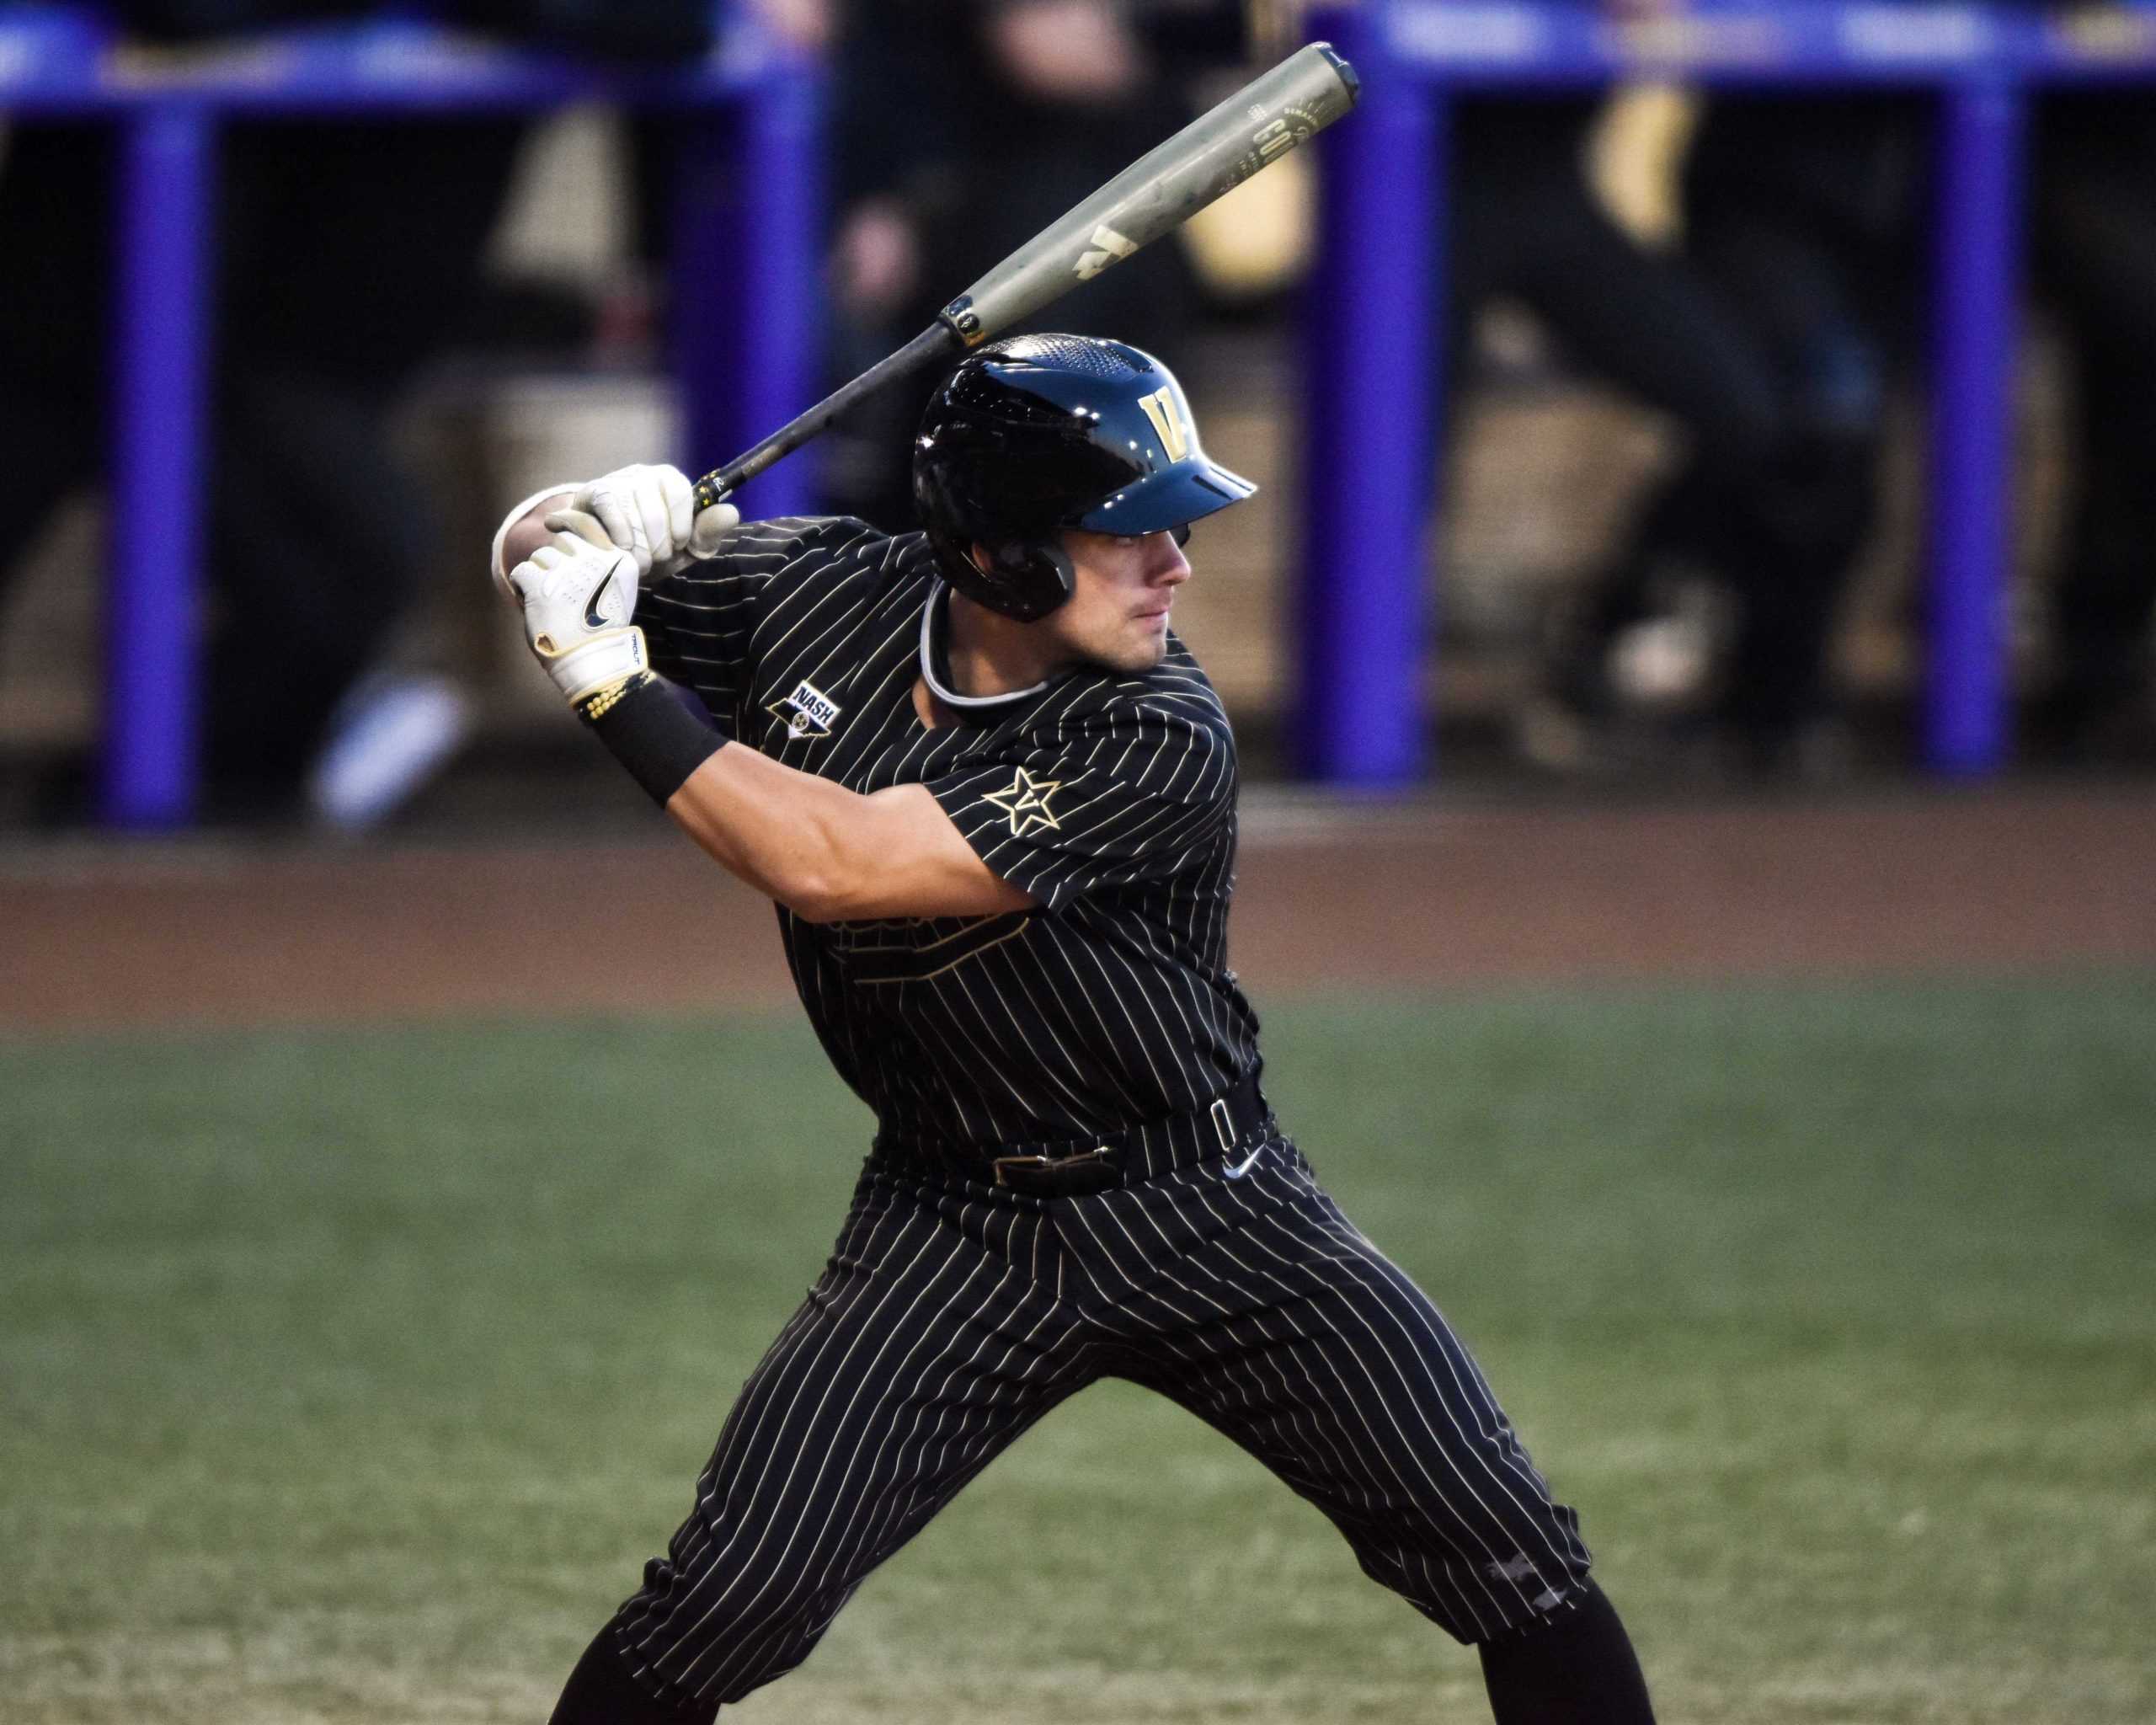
pixel 935 660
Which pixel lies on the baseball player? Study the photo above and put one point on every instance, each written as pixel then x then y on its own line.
pixel 993 797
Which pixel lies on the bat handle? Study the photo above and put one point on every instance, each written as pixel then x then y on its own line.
pixel 938 342
pixel 719 483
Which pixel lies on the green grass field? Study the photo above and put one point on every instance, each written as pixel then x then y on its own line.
pixel 350 1377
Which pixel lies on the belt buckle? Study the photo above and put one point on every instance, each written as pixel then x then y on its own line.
pixel 1005 1166
pixel 1038 1172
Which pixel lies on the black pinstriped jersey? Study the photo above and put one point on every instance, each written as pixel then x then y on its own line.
pixel 1109 797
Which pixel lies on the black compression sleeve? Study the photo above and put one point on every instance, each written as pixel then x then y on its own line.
pixel 601 1692
pixel 1577 1670
pixel 660 740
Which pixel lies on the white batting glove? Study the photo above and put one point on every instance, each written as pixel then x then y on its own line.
pixel 650 511
pixel 578 595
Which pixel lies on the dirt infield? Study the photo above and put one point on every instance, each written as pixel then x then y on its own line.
pixel 1919 882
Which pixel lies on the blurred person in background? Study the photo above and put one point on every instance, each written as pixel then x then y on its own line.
pixel 1810 217
pixel 2093 216
pixel 963 127
pixel 1795 220
pixel 1526 226
pixel 672 176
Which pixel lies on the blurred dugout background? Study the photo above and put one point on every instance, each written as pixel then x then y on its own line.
pixel 558 370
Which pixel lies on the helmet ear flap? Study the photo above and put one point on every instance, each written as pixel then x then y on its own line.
pixel 1026 580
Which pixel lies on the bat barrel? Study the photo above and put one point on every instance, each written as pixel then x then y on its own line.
pixel 1213 154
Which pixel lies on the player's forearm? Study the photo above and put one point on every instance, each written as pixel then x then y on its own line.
pixel 792 835
pixel 814 846
pixel 831 855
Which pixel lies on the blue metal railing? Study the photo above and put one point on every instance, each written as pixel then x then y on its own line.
pixel 749 288
pixel 1372 406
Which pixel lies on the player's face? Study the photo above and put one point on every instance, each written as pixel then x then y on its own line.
pixel 1120 594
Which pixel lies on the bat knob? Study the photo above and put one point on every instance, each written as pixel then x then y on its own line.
pixel 1348 78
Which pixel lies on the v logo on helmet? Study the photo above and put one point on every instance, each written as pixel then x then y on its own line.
pixel 1161 408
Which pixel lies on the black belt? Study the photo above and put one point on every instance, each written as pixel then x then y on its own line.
pixel 1067 1169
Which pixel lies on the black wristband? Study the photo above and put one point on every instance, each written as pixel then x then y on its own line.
pixel 653 734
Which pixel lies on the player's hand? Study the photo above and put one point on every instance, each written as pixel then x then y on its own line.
pixel 578 593
pixel 649 512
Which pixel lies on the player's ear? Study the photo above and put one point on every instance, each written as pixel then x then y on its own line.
pixel 984 558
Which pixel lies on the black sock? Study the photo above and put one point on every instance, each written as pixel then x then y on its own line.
pixel 1578 1670
pixel 600 1691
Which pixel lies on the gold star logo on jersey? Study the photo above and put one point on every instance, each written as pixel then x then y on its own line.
pixel 1027 803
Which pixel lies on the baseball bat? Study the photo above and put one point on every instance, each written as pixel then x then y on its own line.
pixel 1217 151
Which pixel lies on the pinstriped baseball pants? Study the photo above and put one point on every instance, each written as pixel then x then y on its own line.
pixel 951 1315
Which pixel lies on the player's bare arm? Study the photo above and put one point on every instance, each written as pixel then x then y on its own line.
pixel 832 855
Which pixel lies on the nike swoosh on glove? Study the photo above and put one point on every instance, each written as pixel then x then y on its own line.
pixel 578 595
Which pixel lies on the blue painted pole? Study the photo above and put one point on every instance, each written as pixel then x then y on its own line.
pixel 748 287
pixel 1370 343
pixel 161 348
pixel 781 342
pixel 1974 329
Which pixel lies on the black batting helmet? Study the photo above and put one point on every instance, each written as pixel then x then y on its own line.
pixel 1042 432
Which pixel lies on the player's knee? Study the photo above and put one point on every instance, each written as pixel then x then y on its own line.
pixel 1398 1572
pixel 712 1634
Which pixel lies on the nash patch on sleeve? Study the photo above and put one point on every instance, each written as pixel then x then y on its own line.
pixel 809 712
